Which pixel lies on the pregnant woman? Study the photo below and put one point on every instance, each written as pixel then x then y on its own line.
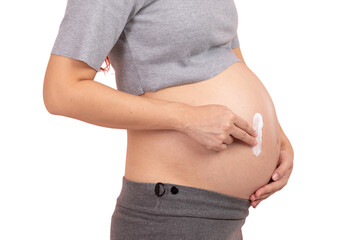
pixel 204 142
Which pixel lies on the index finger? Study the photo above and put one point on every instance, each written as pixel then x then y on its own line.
pixel 271 187
pixel 241 123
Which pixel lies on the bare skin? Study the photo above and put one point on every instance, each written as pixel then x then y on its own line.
pixel 281 175
pixel 171 117
pixel 180 158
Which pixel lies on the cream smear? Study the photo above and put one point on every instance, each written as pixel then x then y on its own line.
pixel 257 125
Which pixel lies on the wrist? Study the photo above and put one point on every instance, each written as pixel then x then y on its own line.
pixel 181 112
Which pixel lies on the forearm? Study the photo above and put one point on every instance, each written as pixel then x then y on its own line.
pixel 98 104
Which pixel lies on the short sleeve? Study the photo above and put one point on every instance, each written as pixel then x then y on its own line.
pixel 235 42
pixel 90 28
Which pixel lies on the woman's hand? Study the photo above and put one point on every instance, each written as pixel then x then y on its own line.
pixel 214 126
pixel 280 176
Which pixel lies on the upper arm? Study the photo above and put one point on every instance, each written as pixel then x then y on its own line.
pixel 90 29
pixel 61 73
pixel 87 33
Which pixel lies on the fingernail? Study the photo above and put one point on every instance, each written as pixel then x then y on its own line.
pixel 276 176
pixel 255 142
pixel 255 133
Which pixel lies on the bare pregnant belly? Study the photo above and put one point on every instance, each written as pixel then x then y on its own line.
pixel 173 157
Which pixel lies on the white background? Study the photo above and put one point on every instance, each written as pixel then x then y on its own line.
pixel 59 177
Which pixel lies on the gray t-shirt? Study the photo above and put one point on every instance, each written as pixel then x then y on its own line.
pixel 151 44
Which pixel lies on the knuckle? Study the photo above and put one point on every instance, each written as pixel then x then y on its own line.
pixel 220 145
pixel 227 126
pixel 210 145
pixel 232 116
pixel 215 145
pixel 222 137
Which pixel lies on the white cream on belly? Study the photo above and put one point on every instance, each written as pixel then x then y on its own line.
pixel 257 125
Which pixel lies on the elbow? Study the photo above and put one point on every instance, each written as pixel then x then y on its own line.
pixel 50 100
pixel 53 97
pixel 51 107
pixel 58 97
pixel 50 92
pixel 59 81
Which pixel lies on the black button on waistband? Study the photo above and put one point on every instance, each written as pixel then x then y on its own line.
pixel 174 190
pixel 157 189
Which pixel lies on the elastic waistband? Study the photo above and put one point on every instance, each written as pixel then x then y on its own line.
pixel 179 200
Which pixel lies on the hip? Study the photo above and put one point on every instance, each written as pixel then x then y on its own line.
pixel 169 211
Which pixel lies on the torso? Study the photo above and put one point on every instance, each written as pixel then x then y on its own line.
pixel 173 157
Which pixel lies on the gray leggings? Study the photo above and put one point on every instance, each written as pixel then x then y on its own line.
pixel 156 211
